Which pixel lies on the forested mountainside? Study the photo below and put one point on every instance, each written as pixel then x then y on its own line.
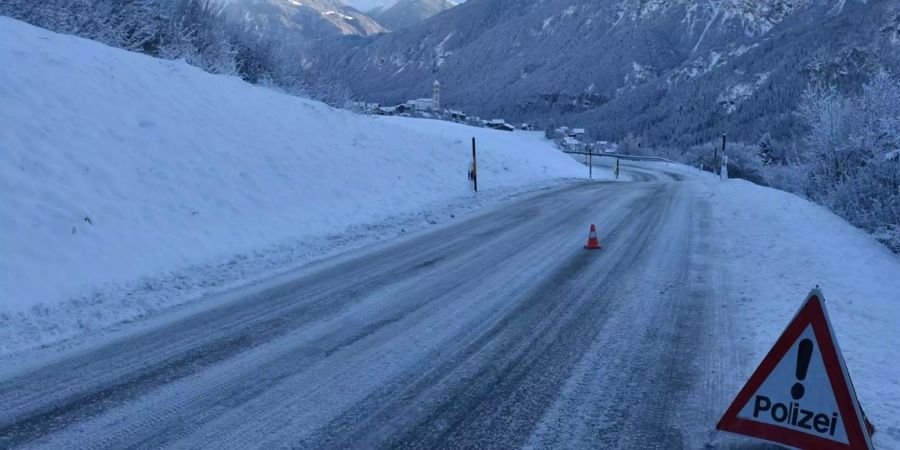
pixel 406 13
pixel 672 71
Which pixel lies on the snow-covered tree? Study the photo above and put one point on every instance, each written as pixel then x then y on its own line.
pixel 847 165
pixel 632 145
pixel 192 30
pixel 766 150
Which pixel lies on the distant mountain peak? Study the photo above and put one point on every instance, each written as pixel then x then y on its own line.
pixel 313 19
pixel 406 13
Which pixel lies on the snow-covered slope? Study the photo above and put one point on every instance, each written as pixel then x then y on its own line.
pixel 769 248
pixel 120 172
pixel 777 247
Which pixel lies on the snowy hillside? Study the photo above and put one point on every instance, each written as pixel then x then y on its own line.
pixel 122 174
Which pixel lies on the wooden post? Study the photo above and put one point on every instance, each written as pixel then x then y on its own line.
pixel 474 166
pixel 617 168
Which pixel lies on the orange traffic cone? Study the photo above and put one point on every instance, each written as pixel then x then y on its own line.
pixel 593 242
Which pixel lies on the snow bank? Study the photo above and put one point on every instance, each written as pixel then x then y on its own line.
pixel 119 170
pixel 777 247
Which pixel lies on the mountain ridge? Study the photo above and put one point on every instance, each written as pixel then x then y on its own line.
pixel 406 13
pixel 311 19
pixel 659 69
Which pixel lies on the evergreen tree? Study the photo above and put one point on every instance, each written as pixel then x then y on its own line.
pixel 766 153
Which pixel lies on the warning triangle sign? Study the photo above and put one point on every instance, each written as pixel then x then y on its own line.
pixel 801 394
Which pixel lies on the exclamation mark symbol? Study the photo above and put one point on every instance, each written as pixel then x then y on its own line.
pixel 804 353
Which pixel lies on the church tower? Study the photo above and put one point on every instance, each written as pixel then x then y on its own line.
pixel 436 96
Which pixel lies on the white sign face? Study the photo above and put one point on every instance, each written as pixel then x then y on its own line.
pixel 798 394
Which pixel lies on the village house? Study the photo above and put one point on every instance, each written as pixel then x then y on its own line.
pixel 421 104
pixel 499 124
pixel 606 147
pixel 364 107
pixel 457 116
pixel 571 144
pixel 391 110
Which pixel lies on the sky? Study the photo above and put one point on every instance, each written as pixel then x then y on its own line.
pixel 365 5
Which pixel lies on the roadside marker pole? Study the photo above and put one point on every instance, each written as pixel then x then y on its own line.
pixel 724 159
pixel 590 165
pixel 474 166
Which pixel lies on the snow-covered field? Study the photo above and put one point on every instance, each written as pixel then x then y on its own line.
pixel 129 184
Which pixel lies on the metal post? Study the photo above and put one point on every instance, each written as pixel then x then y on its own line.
pixel 590 165
pixel 715 159
pixel 474 166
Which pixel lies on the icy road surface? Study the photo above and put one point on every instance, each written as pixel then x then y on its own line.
pixel 497 330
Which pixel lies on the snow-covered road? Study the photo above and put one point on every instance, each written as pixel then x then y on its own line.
pixel 497 330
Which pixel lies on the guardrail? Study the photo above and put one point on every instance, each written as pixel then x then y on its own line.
pixel 625 157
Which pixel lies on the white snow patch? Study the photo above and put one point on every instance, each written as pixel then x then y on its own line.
pixel 546 22
pixel 439 53
pixel 337 13
pixel 639 74
pixel 738 93
pixel 730 98
pixel 743 49
pixel 698 67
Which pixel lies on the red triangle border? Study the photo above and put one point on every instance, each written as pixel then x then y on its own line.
pixel 811 313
